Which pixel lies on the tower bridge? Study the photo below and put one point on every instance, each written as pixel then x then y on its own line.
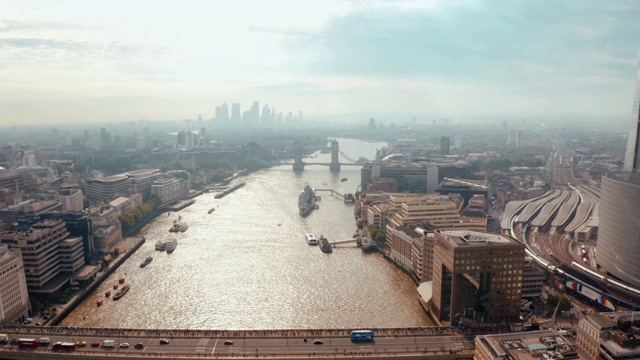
pixel 334 165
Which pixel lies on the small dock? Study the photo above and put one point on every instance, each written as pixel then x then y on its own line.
pixel 365 244
pixel 332 192
pixel 229 191
pixel 178 205
pixel 348 198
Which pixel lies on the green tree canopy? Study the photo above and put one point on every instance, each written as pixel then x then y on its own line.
pixel 552 303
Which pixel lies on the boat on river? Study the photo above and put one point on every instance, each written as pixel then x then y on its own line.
pixel 311 239
pixel 179 226
pixel 145 262
pixel 306 201
pixel 325 247
pixel 121 292
pixel 171 245
pixel 161 246
pixel 344 179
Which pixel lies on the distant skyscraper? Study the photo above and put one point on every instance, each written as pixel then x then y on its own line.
pixel 265 119
pixel 225 112
pixel 235 113
pixel 619 229
pixel 372 124
pixel 444 145
pixel 255 113
pixel 222 113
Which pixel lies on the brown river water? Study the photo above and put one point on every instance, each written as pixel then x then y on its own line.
pixel 247 265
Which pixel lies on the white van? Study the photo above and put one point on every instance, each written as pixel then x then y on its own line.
pixel 44 341
pixel 108 344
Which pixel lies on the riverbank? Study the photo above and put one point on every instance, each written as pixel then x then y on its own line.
pixel 126 248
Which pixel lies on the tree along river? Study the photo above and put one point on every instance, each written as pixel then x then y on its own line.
pixel 246 265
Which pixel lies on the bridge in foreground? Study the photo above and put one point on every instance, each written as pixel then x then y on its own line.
pixel 440 343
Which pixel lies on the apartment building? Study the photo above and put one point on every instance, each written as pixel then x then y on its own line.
pixel 170 189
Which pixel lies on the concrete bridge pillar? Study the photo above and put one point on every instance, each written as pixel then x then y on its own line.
pixel 335 152
pixel 298 164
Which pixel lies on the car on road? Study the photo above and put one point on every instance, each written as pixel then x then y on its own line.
pixel 95 344
pixel 124 345
pixel 164 341
pixel 228 342
pixel 81 343
pixel 318 342
pixel 139 346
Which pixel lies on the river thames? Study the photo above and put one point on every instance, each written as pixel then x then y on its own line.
pixel 247 266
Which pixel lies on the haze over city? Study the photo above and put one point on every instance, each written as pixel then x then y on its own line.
pixel 99 61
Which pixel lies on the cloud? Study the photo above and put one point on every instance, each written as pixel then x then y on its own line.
pixel 19 26
pixel 486 41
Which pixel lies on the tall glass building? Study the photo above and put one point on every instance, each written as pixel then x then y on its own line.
pixel 619 224
pixel 632 156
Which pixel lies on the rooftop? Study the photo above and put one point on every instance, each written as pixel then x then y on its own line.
pixel 467 237
pixel 533 345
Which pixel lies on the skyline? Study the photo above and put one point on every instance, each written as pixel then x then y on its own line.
pixel 119 62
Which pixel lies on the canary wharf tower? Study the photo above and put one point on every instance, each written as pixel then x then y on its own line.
pixel 619 227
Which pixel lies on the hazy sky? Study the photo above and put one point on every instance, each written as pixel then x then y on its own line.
pixel 80 61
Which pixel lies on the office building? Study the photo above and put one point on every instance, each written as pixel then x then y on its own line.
pixel 412 249
pixel 170 189
pixel 477 278
pixel 410 177
pixel 107 188
pixel 445 145
pixel 236 115
pixel 14 299
pixel 609 336
pixel 186 139
pixel 140 181
pixel 71 199
pixel 132 182
pixel 43 245
pixel 440 211
pixel 532 279
pixel 632 155
pixel 619 229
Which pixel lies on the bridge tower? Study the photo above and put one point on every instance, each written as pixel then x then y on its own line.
pixel 335 152
pixel 298 164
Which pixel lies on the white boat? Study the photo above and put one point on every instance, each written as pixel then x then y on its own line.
pixel 311 239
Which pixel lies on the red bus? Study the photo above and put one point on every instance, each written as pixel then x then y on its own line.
pixel 28 343
pixel 64 346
